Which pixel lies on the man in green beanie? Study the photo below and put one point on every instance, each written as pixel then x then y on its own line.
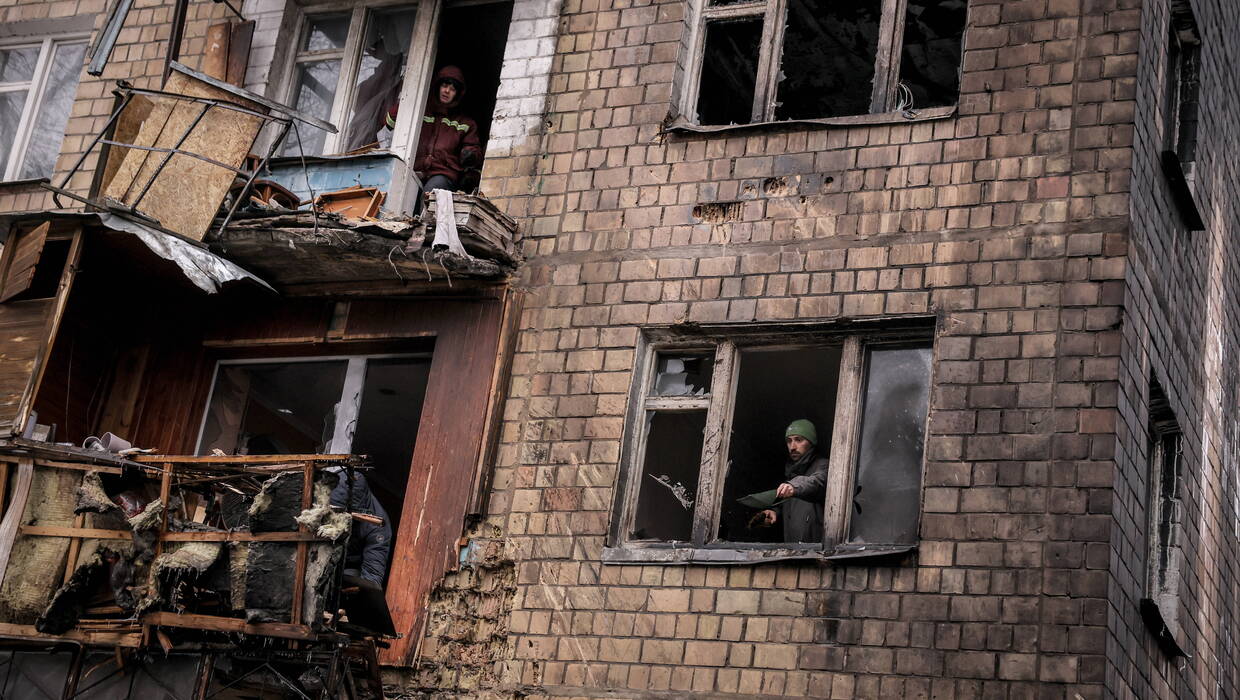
pixel 805 476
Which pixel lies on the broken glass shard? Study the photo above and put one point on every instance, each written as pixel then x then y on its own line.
pixel 684 375
pixel 669 478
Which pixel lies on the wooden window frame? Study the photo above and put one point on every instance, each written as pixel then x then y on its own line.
pixel 774 14
pixel 10 170
pixel 703 546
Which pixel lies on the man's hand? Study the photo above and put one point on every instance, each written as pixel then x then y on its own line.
pixel 785 490
pixel 763 518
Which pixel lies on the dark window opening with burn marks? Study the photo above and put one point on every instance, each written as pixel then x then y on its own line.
pixel 813 59
pixel 1180 111
pixel 1165 521
pixel 779 446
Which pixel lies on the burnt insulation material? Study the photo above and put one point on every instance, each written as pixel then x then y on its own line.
pixel 92 498
pixel 100 562
pixel 37 564
pixel 276 506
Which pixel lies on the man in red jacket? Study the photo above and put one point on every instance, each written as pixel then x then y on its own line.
pixel 449 140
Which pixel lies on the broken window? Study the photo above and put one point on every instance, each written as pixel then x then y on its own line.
pixel 711 448
pixel 811 59
pixel 1165 514
pixel 38 81
pixel 1182 87
pixel 369 405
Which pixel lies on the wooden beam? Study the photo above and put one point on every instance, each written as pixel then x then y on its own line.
pixel 118 638
pixel 13 516
pixel 75 546
pixel 242 459
pixel 74 532
pixel 78 466
pixel 242 537
pixel 299 568
pixel 211 623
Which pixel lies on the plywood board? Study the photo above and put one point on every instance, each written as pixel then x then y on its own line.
pixel 187 192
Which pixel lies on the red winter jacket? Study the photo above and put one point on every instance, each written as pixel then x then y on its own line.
pixel 448 139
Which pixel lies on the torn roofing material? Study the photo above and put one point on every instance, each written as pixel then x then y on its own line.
pixel 204 269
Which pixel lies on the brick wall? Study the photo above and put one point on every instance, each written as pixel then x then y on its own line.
pixel 1007 221
pixel 1180 326
pixel 137 58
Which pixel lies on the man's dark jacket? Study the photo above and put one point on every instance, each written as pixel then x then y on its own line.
pixel 369 544
pixel 449 139
pixel 802 514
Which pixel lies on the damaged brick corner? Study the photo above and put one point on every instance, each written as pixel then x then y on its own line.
pixel 465 643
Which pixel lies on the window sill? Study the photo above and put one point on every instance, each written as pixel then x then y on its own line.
pixel 683 125
pixel 677 553
pixel 1181 192
pixel 1169 636
pixel 28 182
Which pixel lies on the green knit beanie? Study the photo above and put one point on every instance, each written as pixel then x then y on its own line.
pixel 803 428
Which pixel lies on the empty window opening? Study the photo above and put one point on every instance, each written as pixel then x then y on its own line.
pixel 774 388
pixel 32 265
pixel 930 56
pixel 669 475
pixel 828 58
pixel 886 494
pixel 472 37
pixel 729 71
pixel 387 425
pixel 276 408
pixel 1166 453
pixel 813 59
pixel 1182 86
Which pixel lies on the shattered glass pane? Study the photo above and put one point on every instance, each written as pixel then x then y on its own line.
pixel 49 126
pixel 17 64
pixel 11 104
pixel 828 60
pixel 887 490
pixel 326 32
pixel 273 408
pixel 729 71
pixel 669 478
pixel 773 388
pixel 684 374
pixel 378 84
pixel 316 90
pixel 930 60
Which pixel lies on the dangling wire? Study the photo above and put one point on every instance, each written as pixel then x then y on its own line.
pixel 904 101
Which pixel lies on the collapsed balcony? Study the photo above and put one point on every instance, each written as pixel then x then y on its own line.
pixel 185 555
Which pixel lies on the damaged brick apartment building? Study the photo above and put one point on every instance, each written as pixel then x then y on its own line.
pixel 980 245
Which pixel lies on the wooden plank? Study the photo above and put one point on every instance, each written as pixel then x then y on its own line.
pixel 215 60
pixel 4 484
pixel 244 459
pixel 299 567
pixel 239 52
pixel 843 445
pixel 54 464
pixel 242 537
pixel 229 624
pixel 120 638
pixel 74 532
pixel 22 260
pixel 75 546
pixel 13 516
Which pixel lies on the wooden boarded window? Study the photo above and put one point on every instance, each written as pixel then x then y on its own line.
pixel 705 447
pixel 772 60
pixel 26 270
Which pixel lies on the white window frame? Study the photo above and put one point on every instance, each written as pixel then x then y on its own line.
pixel 774 14
pixel 418 64
pixel 719 406
pixel 37 86
pixel 350 393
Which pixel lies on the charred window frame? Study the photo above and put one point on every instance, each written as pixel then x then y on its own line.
pixel 1164 522
pixel 680 437
pixel 758 61
pixel 1181 110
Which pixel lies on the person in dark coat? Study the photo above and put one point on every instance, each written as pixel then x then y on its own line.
pixel 449 142
pixel 804 486
pixel 370 545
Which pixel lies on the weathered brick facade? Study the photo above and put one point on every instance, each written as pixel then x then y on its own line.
pixel 1034 225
